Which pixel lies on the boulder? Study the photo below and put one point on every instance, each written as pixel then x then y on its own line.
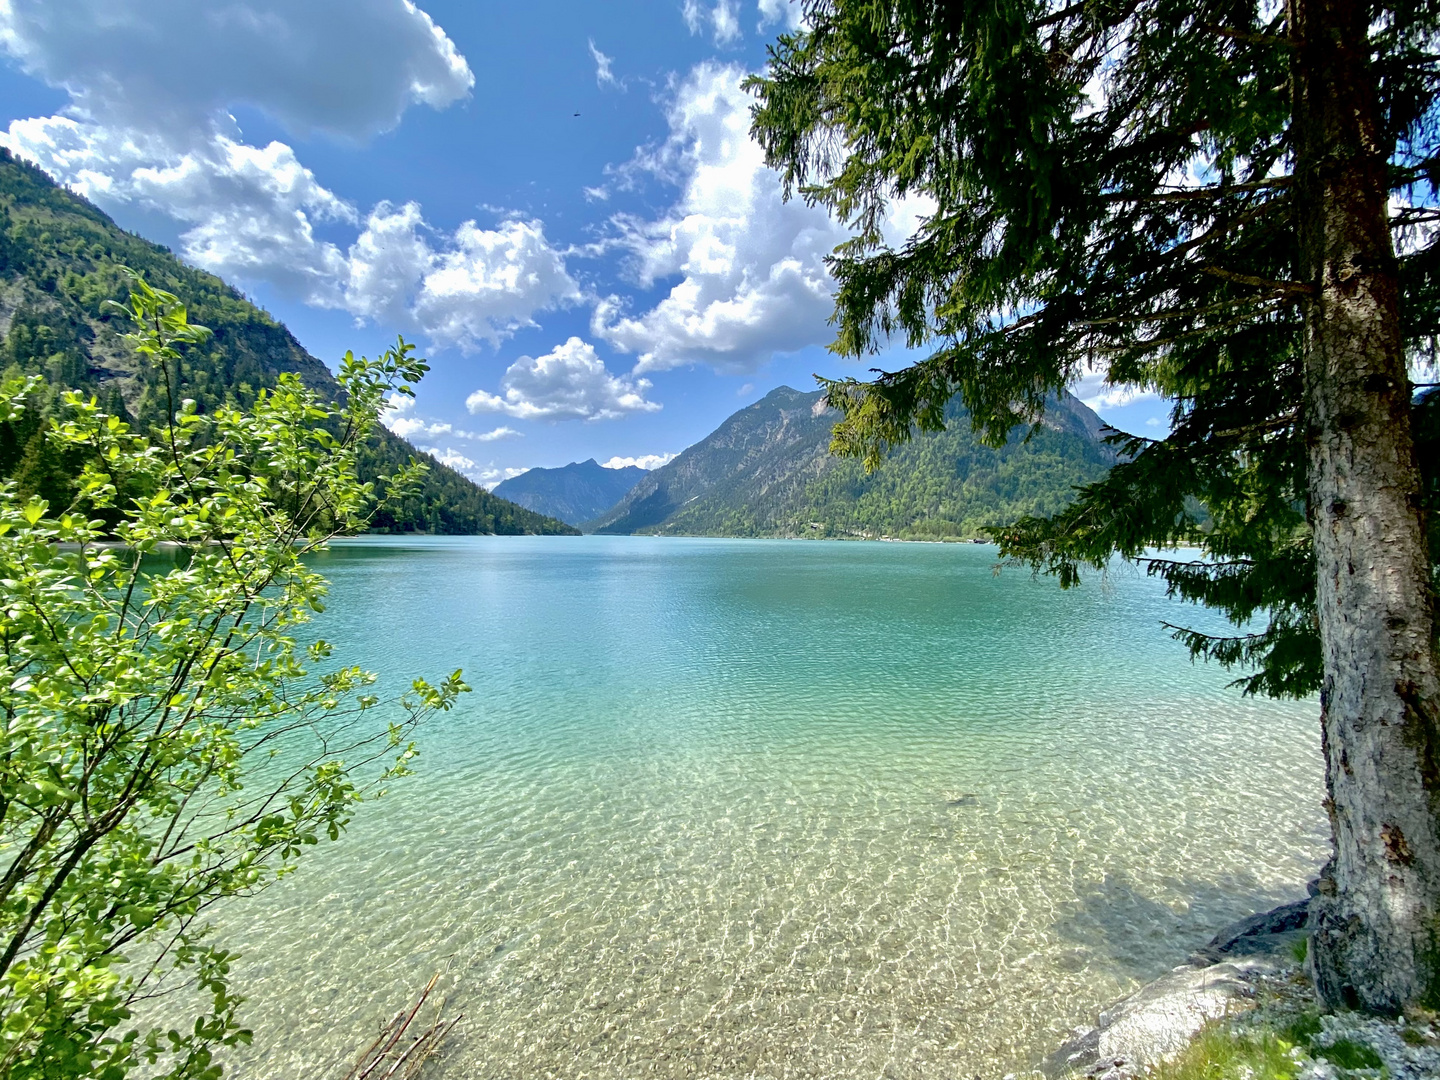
pixel 1157 1020
pixel 1160 1018
pixel 1267 932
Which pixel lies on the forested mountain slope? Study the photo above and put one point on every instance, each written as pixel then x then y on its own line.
pixel 767 471
pixel 61 260
pixel 573 493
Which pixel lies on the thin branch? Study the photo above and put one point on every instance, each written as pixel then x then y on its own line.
pixel 1185 313
pixel 1248 37
pixel 1287 288
pixel 1212 191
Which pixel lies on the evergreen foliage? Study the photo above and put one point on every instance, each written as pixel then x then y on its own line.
pixel 62 260
pixel 1112 192
pixel 948 484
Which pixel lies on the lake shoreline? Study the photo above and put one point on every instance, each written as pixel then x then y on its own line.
pixel 1156 1021
pixel 1247 986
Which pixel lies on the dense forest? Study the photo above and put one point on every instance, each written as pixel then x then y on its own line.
pixel 61 260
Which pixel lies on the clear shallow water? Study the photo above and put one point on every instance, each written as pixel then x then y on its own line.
pixel 773 809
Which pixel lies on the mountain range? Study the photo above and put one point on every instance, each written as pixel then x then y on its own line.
pixel 61 259
pixel 573 493
pixel 767 471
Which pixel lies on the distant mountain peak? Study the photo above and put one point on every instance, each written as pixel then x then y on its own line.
pixel 573 493
pixel 786 393
pixel 767 471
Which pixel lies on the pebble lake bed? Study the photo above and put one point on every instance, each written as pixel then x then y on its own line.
pixel 772 809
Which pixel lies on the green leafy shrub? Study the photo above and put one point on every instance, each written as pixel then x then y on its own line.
pixel 1303 1029
pixel 168 742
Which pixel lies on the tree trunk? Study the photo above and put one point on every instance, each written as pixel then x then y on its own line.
pixel 1376 921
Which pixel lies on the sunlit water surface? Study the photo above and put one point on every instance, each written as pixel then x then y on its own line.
pixel 772 809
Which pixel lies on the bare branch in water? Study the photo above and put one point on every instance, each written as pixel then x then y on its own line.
pixel 396 1053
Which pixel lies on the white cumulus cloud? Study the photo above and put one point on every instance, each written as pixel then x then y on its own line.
pixel 752 273
pixel 151 85
pixel 722 19
pixel 399 416
pixel 1092 389
pixel 644 461
pixel 347 67
pixel 751 267
pixel 568 383
pixel 252 210
pixel 491 435
pixel 787 11
pixel 487 476
pixel 476 285
pixel 452 458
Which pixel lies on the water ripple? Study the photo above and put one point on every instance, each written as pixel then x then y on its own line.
pixel 773 810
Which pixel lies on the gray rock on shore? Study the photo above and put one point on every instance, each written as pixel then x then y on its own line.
pixel 1265 934
pixel 1161 1018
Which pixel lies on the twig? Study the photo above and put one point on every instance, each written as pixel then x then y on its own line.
pixel 407 1063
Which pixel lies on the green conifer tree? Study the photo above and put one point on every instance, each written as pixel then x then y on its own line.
pixel 1204 199
pixel 45 470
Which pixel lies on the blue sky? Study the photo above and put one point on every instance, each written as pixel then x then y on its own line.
pixel 611 284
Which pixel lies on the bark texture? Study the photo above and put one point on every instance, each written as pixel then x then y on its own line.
pixel 1376 920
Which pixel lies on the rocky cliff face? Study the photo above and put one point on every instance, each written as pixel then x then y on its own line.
pixel 779 442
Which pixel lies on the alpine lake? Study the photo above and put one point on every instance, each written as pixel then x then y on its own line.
pixel 744 808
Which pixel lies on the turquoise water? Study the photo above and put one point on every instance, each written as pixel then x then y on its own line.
pixel 772 809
